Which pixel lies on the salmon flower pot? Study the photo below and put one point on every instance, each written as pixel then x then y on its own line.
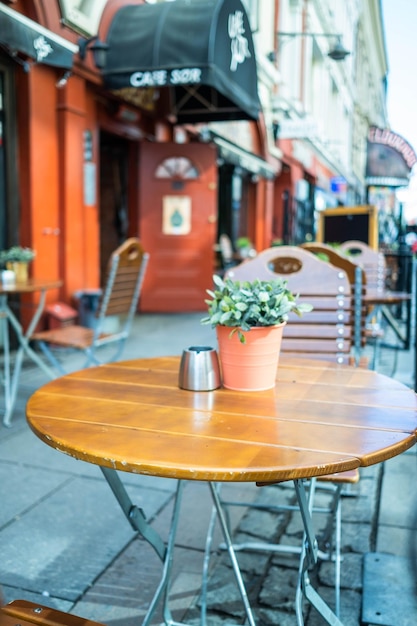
pixel 249 366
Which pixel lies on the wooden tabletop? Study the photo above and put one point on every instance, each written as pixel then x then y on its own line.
pixel 30 286
pixel 319 419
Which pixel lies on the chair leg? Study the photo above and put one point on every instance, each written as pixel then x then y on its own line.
pixel 51 357
pixel 92 359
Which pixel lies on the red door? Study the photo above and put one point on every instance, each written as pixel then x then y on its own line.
pixel 177 224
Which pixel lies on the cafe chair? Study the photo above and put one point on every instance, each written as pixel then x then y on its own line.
pixel 357 280
pixel 372 262
pixel 126 271
pixel 327 333
pixel 378 297
pixel 374 267
pixel 228 256
pixel 24 613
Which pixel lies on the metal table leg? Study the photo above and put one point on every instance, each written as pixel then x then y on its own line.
pixel 309 558
pixel 232 554
pixel 137 520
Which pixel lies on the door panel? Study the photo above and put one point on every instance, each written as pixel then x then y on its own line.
pixel 177 224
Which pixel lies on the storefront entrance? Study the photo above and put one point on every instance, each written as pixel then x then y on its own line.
pixel 113 215
pixel 178 224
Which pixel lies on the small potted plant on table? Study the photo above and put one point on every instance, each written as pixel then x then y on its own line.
pixel 17 260
pixel 249 318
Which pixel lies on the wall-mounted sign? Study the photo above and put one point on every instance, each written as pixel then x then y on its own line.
pixel 338 184
pixel 297 129
pixel 90 184
pixel 390 158
pixel 176 215
pixel 88 145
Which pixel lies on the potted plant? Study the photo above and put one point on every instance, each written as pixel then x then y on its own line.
pixel 17 259
pixel 245 247
pixel 250 317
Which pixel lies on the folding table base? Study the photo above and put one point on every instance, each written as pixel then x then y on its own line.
pixel 137 520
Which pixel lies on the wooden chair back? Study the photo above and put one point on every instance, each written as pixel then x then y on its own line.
pixel 328 330
pixel 357 280
pixel 372 262
pixel 335 258
pixel 125 273
pixel 25 613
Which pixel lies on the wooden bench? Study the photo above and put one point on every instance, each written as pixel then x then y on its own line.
pixel 24 613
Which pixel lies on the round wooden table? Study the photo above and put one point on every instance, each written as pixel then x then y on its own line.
pixel 319 419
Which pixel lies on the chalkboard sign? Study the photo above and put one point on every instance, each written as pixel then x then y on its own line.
pixel 345 223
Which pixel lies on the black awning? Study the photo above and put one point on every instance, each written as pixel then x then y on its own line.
pixel 20 34
pixel 201 50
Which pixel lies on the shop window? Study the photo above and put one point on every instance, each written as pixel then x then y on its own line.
pixel 179 168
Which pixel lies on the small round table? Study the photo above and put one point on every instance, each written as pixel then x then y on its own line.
pixel 320 419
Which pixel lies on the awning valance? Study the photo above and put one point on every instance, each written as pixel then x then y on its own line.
pixel 233 153
pixel 201 51
pixel 20 34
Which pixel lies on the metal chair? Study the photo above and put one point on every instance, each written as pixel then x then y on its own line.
pixel 126 271
pixel 24 613
pixel 326 333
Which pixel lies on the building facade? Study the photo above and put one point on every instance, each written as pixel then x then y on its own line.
pixel 193 125
pixel 332 64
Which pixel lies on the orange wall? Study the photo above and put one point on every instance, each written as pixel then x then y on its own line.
pixel 53 218
pixel 79 223
pixel 38 173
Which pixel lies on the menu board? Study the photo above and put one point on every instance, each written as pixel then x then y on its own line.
pixel 348 223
